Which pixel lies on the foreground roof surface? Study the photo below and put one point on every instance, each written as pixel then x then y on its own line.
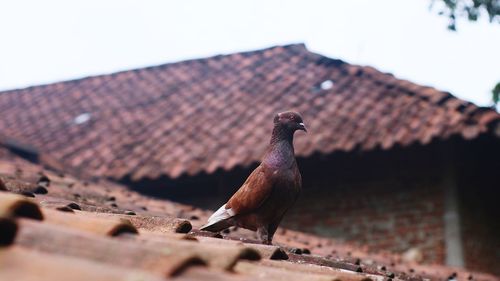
pixel 56 227
pixel 202 115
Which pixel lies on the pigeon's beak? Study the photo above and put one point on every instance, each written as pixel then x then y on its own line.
pixel 302 127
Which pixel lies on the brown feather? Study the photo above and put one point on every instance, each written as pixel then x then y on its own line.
pixel 253 192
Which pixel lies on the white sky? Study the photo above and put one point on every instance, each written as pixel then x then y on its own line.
pixel 48 41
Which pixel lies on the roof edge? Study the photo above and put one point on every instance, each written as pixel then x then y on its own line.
pixel 291 46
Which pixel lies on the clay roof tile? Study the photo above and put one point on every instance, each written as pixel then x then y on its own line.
pixel 78 239
pixel 175 119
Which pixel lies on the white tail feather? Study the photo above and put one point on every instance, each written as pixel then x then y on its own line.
pixel 221 214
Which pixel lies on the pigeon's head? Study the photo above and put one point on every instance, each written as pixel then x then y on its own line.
pixel 291 120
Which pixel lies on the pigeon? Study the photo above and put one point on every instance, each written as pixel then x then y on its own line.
pixel 270 190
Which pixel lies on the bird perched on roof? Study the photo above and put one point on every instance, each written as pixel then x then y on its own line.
pixel 270 190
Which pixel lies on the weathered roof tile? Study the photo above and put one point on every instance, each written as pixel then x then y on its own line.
pixel 20 264
pixel 180 118
pixel 157 224
pixel 109 225
pixel 85 244
pixel 12 206
pixel 54 239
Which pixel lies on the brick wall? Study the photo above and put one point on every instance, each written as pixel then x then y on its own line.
pixel 479 184
pixel 387 215
pixel 481 242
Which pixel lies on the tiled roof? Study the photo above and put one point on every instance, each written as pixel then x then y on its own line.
pixel 215 113
pixel 56 227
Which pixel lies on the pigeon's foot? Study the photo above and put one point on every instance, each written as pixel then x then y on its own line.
pixel 264 236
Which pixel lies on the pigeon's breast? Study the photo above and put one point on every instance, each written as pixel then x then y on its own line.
pixel 280 157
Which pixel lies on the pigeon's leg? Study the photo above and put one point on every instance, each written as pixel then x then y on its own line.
pixel 271 229
pixel 263 235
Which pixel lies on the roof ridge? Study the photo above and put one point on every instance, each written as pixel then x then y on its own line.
pixel 416 90
pixel 291 46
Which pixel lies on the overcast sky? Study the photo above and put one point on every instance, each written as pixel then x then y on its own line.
pixel 48 41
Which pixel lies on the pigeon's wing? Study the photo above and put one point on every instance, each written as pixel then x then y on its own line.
pixel 253 192
pixel 249 197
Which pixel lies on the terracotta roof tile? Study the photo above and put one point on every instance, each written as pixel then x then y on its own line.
pixel 12 206
pixel 80 235
pixel 292 273
pixel 265 251
pixel 333 273
pixel 18 263
pixel 182 118
pixel 70 242
pixel 110 226
pixel 157 224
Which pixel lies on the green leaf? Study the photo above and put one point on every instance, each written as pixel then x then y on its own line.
pixel 496 93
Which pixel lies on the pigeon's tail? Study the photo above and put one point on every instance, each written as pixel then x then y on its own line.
pixel 220 220
pixel 216 226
